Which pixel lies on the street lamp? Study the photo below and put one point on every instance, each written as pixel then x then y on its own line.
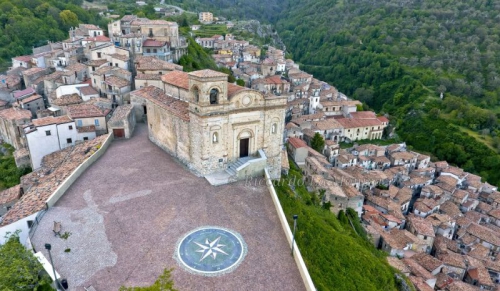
pixel 295 216
pixel 48 247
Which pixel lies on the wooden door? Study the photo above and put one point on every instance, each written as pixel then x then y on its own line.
pixel 244 147
pixel 119 132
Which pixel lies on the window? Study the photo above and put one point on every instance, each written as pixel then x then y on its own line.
pixel 94 81
pixel 155 51
pixel 47 132
pixel 274 128
pixel 93 69
pixel 99 55
pixel 150 32
pixel 70 127
pixel 86 138
pixel 148 50
pixel 214 96
pixel 96 122
pixel 116 64
pixel 215 137
pixel 79 122
pixel 69 140
pixel 425 237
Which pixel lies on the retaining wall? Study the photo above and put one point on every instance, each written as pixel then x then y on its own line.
pixel 78 172
pixel 304 273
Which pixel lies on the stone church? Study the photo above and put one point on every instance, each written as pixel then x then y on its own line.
pixel 214 126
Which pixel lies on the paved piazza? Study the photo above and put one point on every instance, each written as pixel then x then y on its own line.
pixel 137 211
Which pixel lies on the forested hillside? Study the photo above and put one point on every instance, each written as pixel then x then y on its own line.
pixel 398 56
pixel 28 23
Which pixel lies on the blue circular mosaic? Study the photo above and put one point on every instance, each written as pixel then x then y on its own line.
pixel 211 251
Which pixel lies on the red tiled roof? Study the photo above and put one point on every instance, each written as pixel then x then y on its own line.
pixel 100 38
pixel 177 79
pixel 233 89
pixel 297 142
pixel 27 91
pixel 154 43
pixel 26 58
pixel 15 114
pixel 88 90
pixel 51 120
pixel 355 123
pixel 31 98
pixel 84 111
pixel 157 96
pixel 383 119
pixel 207 74
pixel 9 195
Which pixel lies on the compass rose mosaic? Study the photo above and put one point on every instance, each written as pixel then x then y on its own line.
pixel 210 251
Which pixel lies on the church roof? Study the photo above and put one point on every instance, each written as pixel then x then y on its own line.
pixel 177 78
pixel 233 89
pixel 157 96
pixel 207 74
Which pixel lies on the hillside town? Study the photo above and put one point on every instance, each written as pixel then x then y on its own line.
pixel 439 225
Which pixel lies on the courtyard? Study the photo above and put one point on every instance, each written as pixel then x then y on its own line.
pixel 126 215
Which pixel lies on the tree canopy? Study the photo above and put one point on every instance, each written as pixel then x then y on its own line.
pixel 19 268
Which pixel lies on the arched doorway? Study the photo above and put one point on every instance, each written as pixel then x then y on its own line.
pixel 244 144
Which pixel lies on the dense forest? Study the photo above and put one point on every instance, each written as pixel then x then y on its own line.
pixel 25 24
pixel 398 57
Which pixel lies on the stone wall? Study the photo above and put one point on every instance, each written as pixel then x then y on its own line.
pixel 304 273
pixel 169 132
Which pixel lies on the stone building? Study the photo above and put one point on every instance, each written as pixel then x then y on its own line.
pixel 11 123
pixel 211 125
pixel 122 123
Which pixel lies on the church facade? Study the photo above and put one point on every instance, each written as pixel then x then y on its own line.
pixel 210 124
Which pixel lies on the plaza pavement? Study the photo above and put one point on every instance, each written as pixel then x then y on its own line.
pixel 129 209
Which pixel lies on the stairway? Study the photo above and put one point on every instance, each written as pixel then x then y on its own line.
pixel 231 168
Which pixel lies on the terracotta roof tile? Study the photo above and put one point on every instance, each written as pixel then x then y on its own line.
pixel 154 43
pixel 84 111
pixel 66 100
pixel 157 96
pixel 10 195
pixel 297 142
pixel 177 79
pixel 148 77
pixel 51 120
pixel 421 225
pixel 15 114
pixel 56 167
pixel 31 98
pixel 117 81
pixel 150 63
pixel 207 74
pixel 88 90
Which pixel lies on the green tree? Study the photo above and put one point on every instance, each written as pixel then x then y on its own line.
pixel 163 283
pixel 68 18
pixel 19 268
pixel 317 142
pixel 240 82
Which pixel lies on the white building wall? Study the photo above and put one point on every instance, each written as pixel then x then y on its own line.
pixel 69 89
pixel 21 225
pixel 65 131
pixel 83 135
pixel 40 144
